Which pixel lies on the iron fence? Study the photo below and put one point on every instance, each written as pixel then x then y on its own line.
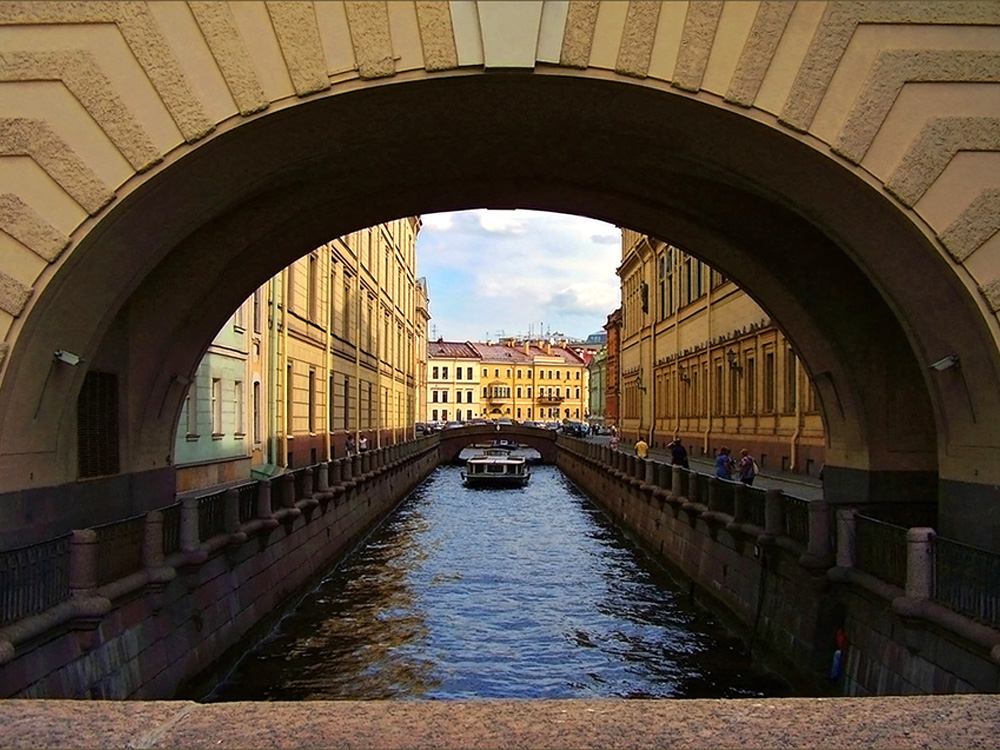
pixel 171 528
pixel 881 550
pixel 33 578
pixel 119 548
pixel 211 515
pixel 248 501
pixel 966 580
pixel 796 512
pixel 755 506
pixel 725 497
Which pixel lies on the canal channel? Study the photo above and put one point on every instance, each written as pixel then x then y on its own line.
pixel 498 593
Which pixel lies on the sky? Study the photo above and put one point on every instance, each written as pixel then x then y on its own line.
pixel 514 272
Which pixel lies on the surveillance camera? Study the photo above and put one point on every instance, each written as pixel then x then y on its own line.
pixel 944 363
pixel 68 357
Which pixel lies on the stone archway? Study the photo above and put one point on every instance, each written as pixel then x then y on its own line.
pixel 796 168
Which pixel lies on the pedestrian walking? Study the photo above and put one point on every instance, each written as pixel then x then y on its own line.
pixel 613 443
pixel 747 467
pixel 678 453
pixel 641 447
pixel 363 444
pixel 349 447
pixel 723 464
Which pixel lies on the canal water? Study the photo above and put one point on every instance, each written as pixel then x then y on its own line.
pixel 497 593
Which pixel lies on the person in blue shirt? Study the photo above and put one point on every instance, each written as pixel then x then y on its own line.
pixel 723 464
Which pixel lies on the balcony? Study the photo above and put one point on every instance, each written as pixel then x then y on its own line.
pixel 545 398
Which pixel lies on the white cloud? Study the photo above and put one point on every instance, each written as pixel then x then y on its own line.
pixel 515 270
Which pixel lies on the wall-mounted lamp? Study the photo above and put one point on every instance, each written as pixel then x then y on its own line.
pixel 944 363
pixel 639 385
pixel 682 373
pixel 733 359
pixel 67 357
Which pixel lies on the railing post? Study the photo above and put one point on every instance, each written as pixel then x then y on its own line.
pixel 920 563
pixel 231 510
pixel 323 477
pixel 263 498
pixel 819 551
pixel 334 476
pixel 366 462
pixel 847 535
pixel 356 466
pixel 190 537
pixel 676 478
pixel 152 540
pixel 774 516
pixel 347 466
pixel 83 562
pixel 650 472
pixel 307 483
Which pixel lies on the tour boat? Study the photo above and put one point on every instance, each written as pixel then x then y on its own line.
pixel 496 467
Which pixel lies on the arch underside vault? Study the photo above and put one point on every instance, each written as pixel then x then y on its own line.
pixel 798 167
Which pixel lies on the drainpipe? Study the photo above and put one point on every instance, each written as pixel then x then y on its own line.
pixel 794 445
pixel 710 385
pixel 328 355
pixel 357 351
pixel 272 377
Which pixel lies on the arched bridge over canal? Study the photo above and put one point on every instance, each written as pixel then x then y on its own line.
pixel 453 440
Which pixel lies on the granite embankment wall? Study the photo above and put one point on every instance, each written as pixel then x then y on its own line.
pixel 769 561
pixel 147 634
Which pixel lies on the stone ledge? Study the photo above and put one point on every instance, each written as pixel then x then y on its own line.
pixel 892 722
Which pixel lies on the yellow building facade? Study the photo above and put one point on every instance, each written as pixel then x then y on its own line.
pixel 344 351
pixel 702 361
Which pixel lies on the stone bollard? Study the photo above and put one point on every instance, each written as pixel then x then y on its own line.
pixel 190 536
pixel 712 492
pixel 676 481
pixel 323 476
pixel 819 550
pixel 152 540
pixel 335 476
pixel 288 490
pixel 650 477
pixel 847 536
pixel 347 468
pixel 774 516
pixel 694 487
pixel 231 510
pixel 83 563
pixel 920 563
pixel 263 498
pixel 356 465
pixel 307 483
pixel 366 463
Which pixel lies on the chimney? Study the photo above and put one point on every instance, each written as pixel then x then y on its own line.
pixel 548 347
pixel 527 346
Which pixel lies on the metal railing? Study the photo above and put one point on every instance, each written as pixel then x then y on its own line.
pixel 796 511
pixel 967 579
pixel 211 515
pixel 248 501
pixel 881 550
pixel 119 548
pixel 33 578
pixel 756 502
pixel 171 528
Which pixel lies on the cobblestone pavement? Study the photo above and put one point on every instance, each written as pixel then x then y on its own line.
pixel 965 721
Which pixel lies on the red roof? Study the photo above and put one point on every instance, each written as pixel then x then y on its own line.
pixel 451 350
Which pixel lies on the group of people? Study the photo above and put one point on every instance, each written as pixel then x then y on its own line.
pixel 361 447
pixel 745 468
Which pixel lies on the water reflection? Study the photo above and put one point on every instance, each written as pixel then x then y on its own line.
pixel 512 593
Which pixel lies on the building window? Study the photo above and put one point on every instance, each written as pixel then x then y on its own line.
pixel 458 397
pixel 288 399
pixel 519 391
pixel 434 415
pixel 458 373
pixel 434 374
pixel 191 409
pixel 347 403
pixel 468 373
pixel 769 384
pixel 444 373
pixel 258 315
pixel 791 380
pixel 312 401
pixel 468 414
pixel 238 428
pixel 444 397
pixel 216 406
pixel 751 385
pixel 434 397
pixel 256 411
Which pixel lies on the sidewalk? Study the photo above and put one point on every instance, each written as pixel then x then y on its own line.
pixel 796 485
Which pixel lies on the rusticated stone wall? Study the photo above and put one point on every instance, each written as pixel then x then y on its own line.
pixel 786 594
pixel 147 641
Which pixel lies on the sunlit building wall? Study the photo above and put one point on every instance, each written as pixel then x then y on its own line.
pixel 700 359
pixel 331 346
